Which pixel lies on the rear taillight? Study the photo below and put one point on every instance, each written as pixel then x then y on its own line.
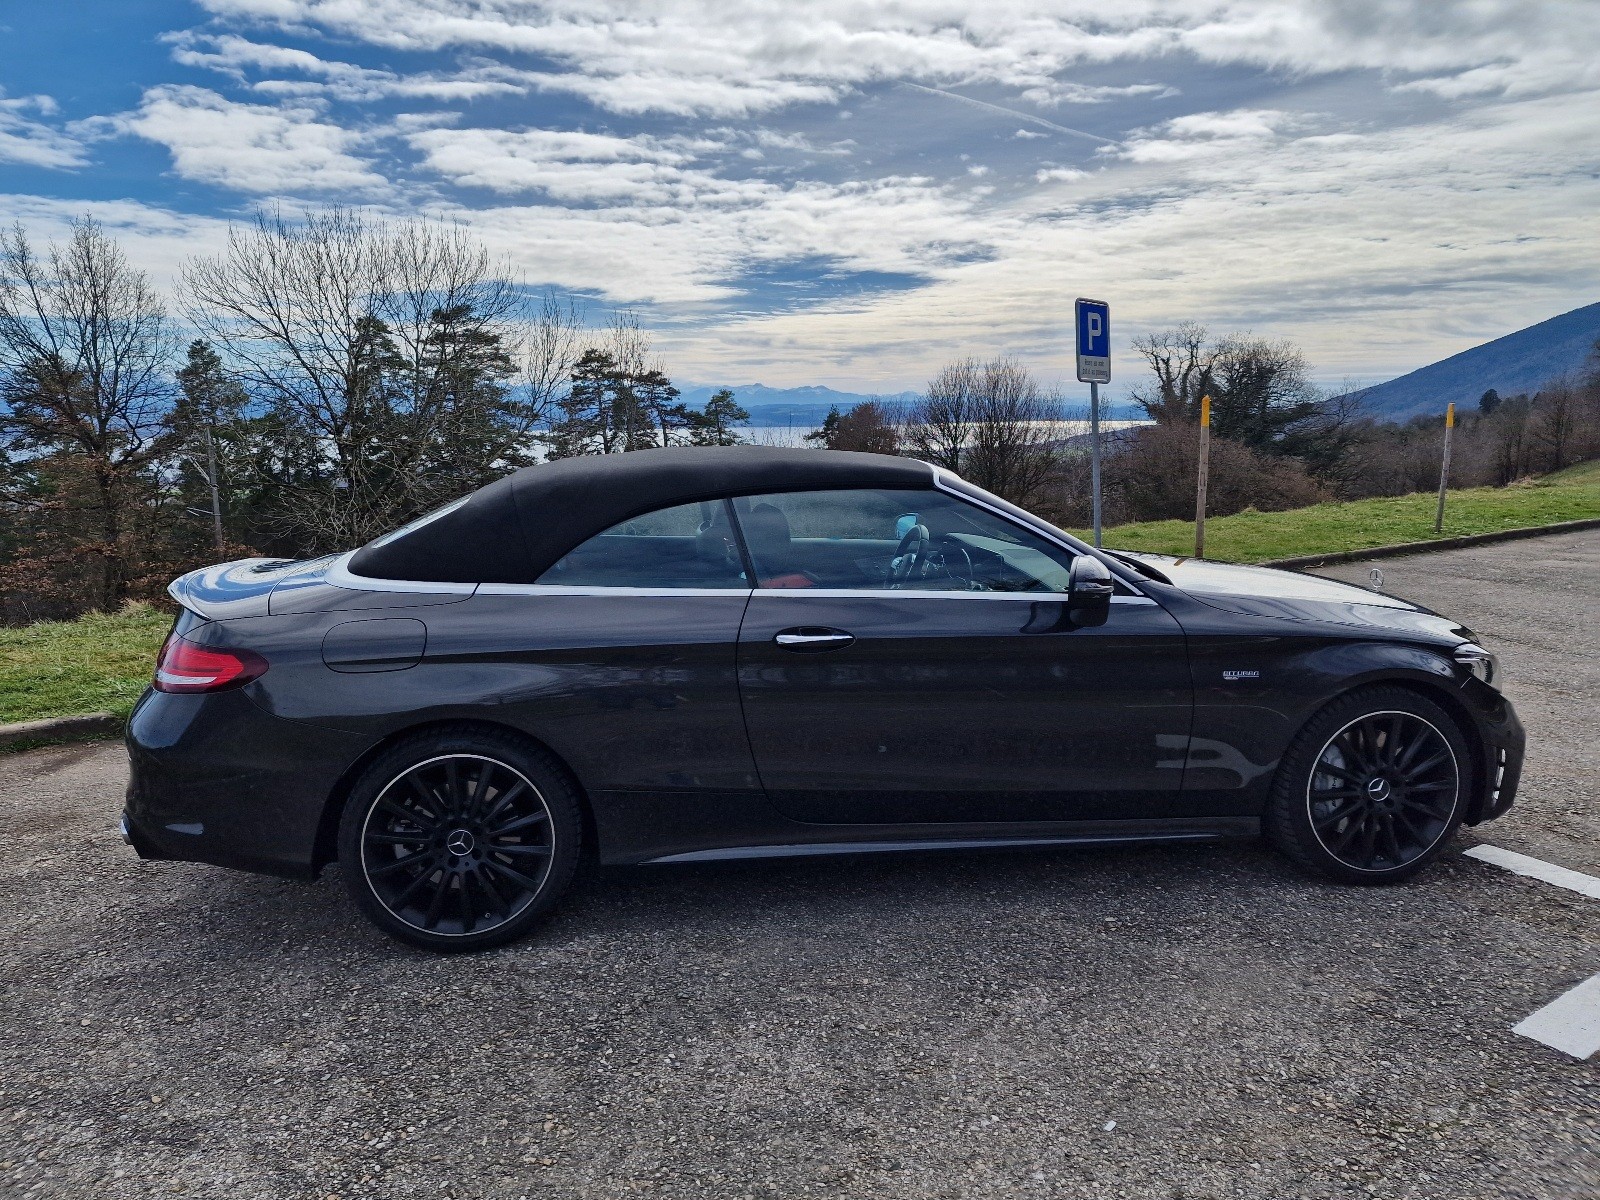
pixel 186 667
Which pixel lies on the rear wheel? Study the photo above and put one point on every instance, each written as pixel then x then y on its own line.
pixel 1372 789
pixel 460 840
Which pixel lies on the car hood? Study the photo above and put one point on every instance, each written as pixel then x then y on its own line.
pixel 1297 596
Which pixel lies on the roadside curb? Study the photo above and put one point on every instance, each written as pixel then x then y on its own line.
pixel 59 729
pixel 1449 543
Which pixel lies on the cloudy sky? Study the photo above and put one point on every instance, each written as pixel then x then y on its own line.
pixel 852 191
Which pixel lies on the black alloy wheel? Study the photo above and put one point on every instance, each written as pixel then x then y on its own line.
pixel 1372 789
pixel 460 842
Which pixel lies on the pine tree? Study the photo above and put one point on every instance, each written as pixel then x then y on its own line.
pixel 714 424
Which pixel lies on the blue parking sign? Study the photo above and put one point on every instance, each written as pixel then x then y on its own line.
pixel 1094 341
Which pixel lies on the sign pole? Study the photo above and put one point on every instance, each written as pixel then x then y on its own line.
pixel 1444 467
pixel 1094 456
pixel 1092 321
pixel 1205 472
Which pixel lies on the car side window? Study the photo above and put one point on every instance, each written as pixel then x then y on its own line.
pixel 899 539
pixel 687 546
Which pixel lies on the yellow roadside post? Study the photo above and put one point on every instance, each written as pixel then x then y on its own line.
pixel 1444 467
pixel 1205 467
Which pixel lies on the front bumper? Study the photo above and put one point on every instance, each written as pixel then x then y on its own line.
pixel 1503 744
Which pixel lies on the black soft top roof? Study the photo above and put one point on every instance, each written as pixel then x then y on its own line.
pixel 515 529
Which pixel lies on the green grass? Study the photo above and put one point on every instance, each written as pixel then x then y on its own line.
pixel 1362 524
pixel 1585 473
pixel 98 663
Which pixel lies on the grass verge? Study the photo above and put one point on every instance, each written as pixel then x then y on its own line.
pixel 98 663
pixel 1252 536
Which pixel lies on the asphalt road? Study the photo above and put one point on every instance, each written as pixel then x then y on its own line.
pixel 1151 1023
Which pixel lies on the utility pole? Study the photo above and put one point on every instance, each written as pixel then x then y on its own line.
pixel 216 492
pixel 1205 471
pixel 1444 467
pixel 1094 456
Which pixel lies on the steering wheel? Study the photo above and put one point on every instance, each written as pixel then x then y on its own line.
pixel 969 579
pixel 910 557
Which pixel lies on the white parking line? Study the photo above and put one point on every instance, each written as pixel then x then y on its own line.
pixel 1537 868
pixel 1570 1023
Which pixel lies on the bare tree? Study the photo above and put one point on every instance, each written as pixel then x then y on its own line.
pixel 85 345
pixel 939 426
pixel 992 423
pixel 1555 421
pixel 1183 364
pixel 387 346
pixel 1016 434
pixel 550 347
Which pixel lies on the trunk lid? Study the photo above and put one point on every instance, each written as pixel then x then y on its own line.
pixel 232 589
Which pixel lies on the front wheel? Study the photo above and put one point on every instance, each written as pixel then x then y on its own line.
pixel 460 840
pixel 1372 789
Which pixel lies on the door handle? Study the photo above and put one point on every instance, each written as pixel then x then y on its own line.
pixel 811 639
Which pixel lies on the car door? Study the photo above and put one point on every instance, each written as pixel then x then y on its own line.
pixel 621 656
pixel 907 657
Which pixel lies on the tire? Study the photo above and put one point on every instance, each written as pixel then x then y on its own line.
pixel 1372 789
pixel 460 840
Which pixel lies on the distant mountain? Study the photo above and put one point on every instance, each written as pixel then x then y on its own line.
pixel 778 407
pixel 1518 362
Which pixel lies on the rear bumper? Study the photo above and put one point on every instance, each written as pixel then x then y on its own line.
pixel 215 779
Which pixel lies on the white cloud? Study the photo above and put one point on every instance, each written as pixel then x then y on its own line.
pixel 156 240
pixel 1205 135
pixel 31 142
pixel 1377 254
pixel 647 219
pixel 739 57
pixel 251 147
pixel 239 57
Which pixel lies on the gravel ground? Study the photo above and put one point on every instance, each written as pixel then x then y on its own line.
pixel 1152 1023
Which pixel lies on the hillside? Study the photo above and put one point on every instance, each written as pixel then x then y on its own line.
pixel 1518 362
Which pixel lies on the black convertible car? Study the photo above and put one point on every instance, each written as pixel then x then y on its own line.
pixel 679 655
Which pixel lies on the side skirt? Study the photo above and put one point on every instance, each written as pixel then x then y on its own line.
pixel 1107 834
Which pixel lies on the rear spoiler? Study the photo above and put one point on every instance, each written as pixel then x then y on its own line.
pixel 232 589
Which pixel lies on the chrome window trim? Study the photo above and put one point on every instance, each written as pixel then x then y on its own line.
pixel 577 589
pixel 899 594
pixel 339 574
pixel 595 589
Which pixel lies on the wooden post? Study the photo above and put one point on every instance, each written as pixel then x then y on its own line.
pixel 1205 470
pixel 1444 467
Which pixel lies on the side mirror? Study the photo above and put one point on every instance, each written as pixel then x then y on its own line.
pixel 1089 588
